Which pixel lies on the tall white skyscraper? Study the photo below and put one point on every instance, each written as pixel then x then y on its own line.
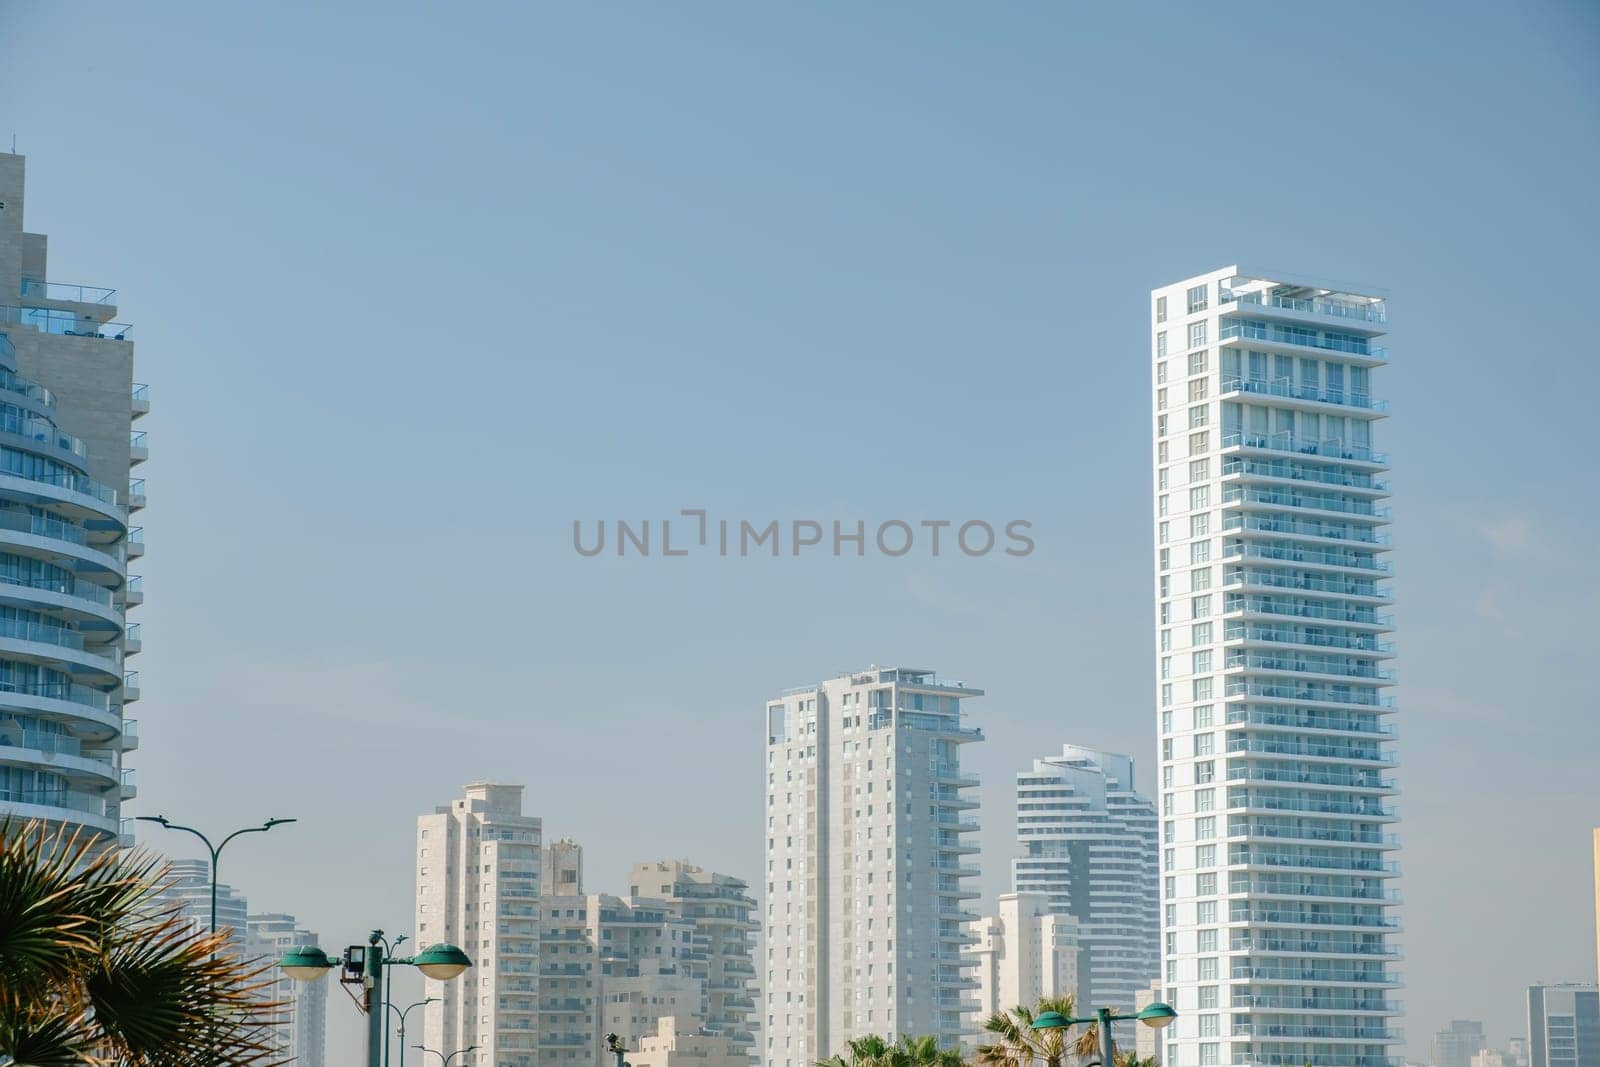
pixel 478 863
pixel 1272 669
pixel 868 831
pixel 1089 845
pixel 67 536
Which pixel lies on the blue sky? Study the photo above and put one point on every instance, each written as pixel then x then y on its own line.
pixel 415 286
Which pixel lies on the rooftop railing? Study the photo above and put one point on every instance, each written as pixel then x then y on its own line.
pixel 1343 309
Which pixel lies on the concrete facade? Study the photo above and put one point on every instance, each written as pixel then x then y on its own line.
pixel 67 452
pixel 867 824
pixel 1024 953
pixel 1089 845
pixel 677 1043
pixel 1564 1025
pixel 1272 676
pixel 478 865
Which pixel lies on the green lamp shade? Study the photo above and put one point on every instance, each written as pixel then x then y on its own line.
pixel 1157 1015
pixel 441 962
pixel 306 963
pixel 1051 1020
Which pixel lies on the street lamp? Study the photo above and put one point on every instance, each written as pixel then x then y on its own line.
pixel 444 1061
pixel 388 951
pixel 1155 1016
pixel 363 965
pixel 403 1015
pixel 216 851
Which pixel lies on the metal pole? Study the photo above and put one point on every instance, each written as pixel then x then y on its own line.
pixel 1103 1020
pixel 377 1020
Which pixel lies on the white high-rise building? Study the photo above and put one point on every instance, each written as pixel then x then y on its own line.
pixel 868 827
pixel 302 1029
pixel 187 891
pixel 67 501
pixel 1272 669
pixel 1025 952
pixel 1089 845
pixel 478 863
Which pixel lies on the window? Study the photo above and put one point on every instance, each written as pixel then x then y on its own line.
pixel 1166 722
pixel 1161 504
pixel 1208 1023
pixel 1199 470
pixel 1161 344
pixel 1199 525
pixel 1205 856
pixel 1200 552
pixel 1205 885
pixel 1172 970
pixel 1200 498
pixel 1166 777
pixel 1161 426
pixel 1205 912
pixel 1197 390
pixel 1166 798
pixel 1202 665
pixel 1200 606
pixel 1166 694
pixel 1198 416
pixel 1161 309
pixel 1162 532
pixel 1197 299
pixel 1206 941
pixel 1166 748
pixel 1208 1049
pixel 1161 373
pixel 1202 686
pixel 1161 399
pixel 1208 969
pixel 1205 799
pixel 1199 442
pixel 1197 363
pixel 1200 633
pixel 1161 452
pixel 1167 859
pixel 1166 662
pixel 1202 716
pixel 1205 771
pixel 1162 477
pixel 1204 744
pixel 1166 640
pixel 1208 993
pixel 1200 578
pixel 1171 914
pixel 1164 559
pixel 1197 334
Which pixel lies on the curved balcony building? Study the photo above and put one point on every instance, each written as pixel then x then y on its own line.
pixel 67 449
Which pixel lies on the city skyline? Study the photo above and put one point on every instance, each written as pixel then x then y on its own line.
pixel 753 231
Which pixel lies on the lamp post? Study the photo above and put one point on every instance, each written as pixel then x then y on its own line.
pixel 388 951
pixel 363 965
pixel 215 850
pixel 444 1061
pixel 403 1015
pixel 1155 1016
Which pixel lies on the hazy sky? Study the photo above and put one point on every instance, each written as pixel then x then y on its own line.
pixel 417 285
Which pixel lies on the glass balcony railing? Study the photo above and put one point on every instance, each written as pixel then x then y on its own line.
pixel 1295 554
pixel 1359 696
pixel 81 294
pixel 63 479
pixel 1273 333
pixel 1353 641
pixel 141 392
pixel 50 320
pixel 1271 915
pixel 1288 442
pixel 71 799
pixel 1277 523
pixel 1289 498
pixel 60 744
pixel 1286 388
pixel 1354 753
pixel 1361 311
pixel 1264 828
pixel 1295 470
pixel 1309 663
pixel 75 588
pixel 1315 583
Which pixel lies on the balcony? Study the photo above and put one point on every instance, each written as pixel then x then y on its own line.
pixel 1295 720
pixel 1283 441
pixel 1316 394
pixel 1316 583
pixel 130 734
pixel 1269 916
pixel 1294 553
pixel 67 293
pixel 1296 470
pixel 1358 642
pixel 1307 748
pixel 1297 608
pixel 130 686
pixel 130 784
pixel 1373 311
pixel 136 498
pixel 1327 666
pixel 140 400
pixel 1298 338
pixel 1309 774
pixel 138 446
pixel 1329 502
pixel 133 591
pixel 66 323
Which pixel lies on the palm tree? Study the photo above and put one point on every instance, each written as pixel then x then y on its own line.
pixel 924 1051
pixel 1018 1044
pixel 1131 1059
pixel 92 972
